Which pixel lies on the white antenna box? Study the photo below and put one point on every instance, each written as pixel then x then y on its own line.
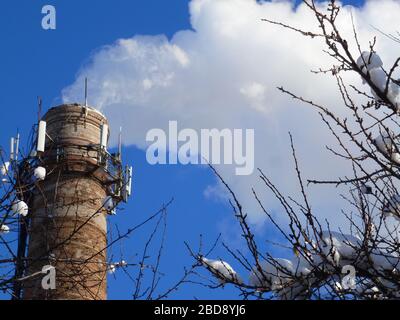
pixel 41 140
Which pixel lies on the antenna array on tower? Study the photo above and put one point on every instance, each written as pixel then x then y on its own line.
pixel 41 140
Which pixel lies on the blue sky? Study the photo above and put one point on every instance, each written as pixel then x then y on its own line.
pixel 37 62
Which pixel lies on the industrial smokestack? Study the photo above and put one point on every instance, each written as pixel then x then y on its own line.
pixel 68 221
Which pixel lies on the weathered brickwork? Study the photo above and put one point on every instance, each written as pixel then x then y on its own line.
pixel 68 227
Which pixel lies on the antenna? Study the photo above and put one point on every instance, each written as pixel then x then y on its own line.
pixel 120 144
pixel 39 107
pixel 104 136
pixel 128 183
pixel 86 92
pixel 16 147
pixel 85 107
pixel 41 140
pixel 12 144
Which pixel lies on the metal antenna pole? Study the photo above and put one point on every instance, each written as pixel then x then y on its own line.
pixel 86 92
pixel 120 144
pixel 39 107
pixel 17 146
pixel 12 146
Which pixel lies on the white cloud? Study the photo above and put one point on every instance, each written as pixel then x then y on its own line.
pixel 256 94
pixel 224 73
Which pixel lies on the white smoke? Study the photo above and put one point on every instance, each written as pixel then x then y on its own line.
pixel 224 74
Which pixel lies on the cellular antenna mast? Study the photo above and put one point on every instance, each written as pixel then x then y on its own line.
pixel 84 184
pixel 85 107
pixel 86 93
pixel 17 146
pixel 120 144
pixel 39 107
